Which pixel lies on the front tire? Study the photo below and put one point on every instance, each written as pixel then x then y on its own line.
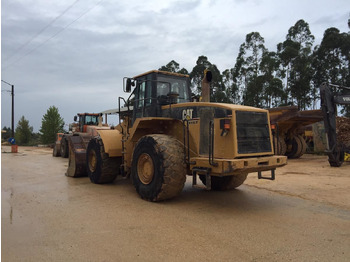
pixel 101 168
pixel 158 171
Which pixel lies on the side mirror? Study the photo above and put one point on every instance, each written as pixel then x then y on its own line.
pixel 128 83
pixel 75 118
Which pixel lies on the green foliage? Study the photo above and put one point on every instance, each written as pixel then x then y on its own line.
pixel 289 76
pixel 248 73
pixel 173 67
pixel 230 87
pixel 35 139
pixel 274 95
pixel 255 74
pixel 23 132
pixel 331 60
pixel 197 73
pixel 7 134
pixel 51 124
pixel 296 58
pixel 218 89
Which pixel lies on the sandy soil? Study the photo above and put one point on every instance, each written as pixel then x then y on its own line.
pixel 304 215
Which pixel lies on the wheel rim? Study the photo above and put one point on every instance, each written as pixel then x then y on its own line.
pixel 92 161
pixel 145 168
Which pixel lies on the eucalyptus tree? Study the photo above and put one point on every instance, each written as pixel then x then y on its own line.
pixel 296 56
pixel 332 59
pixel 247 73
pixel 173 67
pixel 231 88
pixel 218 93
pixel 274 95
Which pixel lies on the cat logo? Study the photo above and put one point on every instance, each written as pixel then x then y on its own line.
pixel 187 114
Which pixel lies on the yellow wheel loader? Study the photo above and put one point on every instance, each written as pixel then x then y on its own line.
pixel 84 123
pixel 164 136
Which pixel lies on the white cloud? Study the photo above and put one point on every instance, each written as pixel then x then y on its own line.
pixel 81 68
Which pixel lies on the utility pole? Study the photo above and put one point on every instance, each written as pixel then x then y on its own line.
pixel 13 111
pixel 13 107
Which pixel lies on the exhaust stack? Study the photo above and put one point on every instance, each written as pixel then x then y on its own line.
pixel 206 85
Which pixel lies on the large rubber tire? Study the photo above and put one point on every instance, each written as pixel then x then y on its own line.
pixel 158 171
pixel 280 146
pixel 303 146
pixel 64 150
pixel 226 182
pixel 101 168
pixel 296 147
pixel 55 152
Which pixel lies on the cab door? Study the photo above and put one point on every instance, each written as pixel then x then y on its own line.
pixel 144 105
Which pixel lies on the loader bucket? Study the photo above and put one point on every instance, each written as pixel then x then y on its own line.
pixel 77 155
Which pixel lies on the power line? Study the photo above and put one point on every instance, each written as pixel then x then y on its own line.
pixel 54 35
pixel 41 31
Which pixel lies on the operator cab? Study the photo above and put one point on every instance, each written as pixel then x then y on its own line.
pixel 87 119
pixel 155 89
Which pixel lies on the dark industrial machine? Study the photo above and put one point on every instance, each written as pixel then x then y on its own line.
pixel 330 98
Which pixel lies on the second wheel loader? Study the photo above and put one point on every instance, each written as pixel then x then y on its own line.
pixel 83 123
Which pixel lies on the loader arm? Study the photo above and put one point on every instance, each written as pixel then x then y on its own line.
pixel 329 101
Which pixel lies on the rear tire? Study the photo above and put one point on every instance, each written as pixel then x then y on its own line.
pixel 226 182
pixel 64 147
pixel 303 146
pixel 296 147
pixel 280 146
pixel 101 168
pixel 158 171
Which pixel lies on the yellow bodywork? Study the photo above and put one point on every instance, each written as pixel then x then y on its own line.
pixel 229 160
pixel 229 167
pixel 112 142
pixel 346 157
pixel 222 148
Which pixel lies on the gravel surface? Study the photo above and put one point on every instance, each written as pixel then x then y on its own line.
pixel 304 215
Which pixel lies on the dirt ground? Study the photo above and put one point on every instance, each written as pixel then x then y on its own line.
pixel 304 215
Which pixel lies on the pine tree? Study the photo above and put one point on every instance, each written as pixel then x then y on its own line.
pixel 23 132
pixel 52 123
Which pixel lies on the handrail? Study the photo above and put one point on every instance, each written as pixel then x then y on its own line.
pixel 211 144
pixel 187 132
